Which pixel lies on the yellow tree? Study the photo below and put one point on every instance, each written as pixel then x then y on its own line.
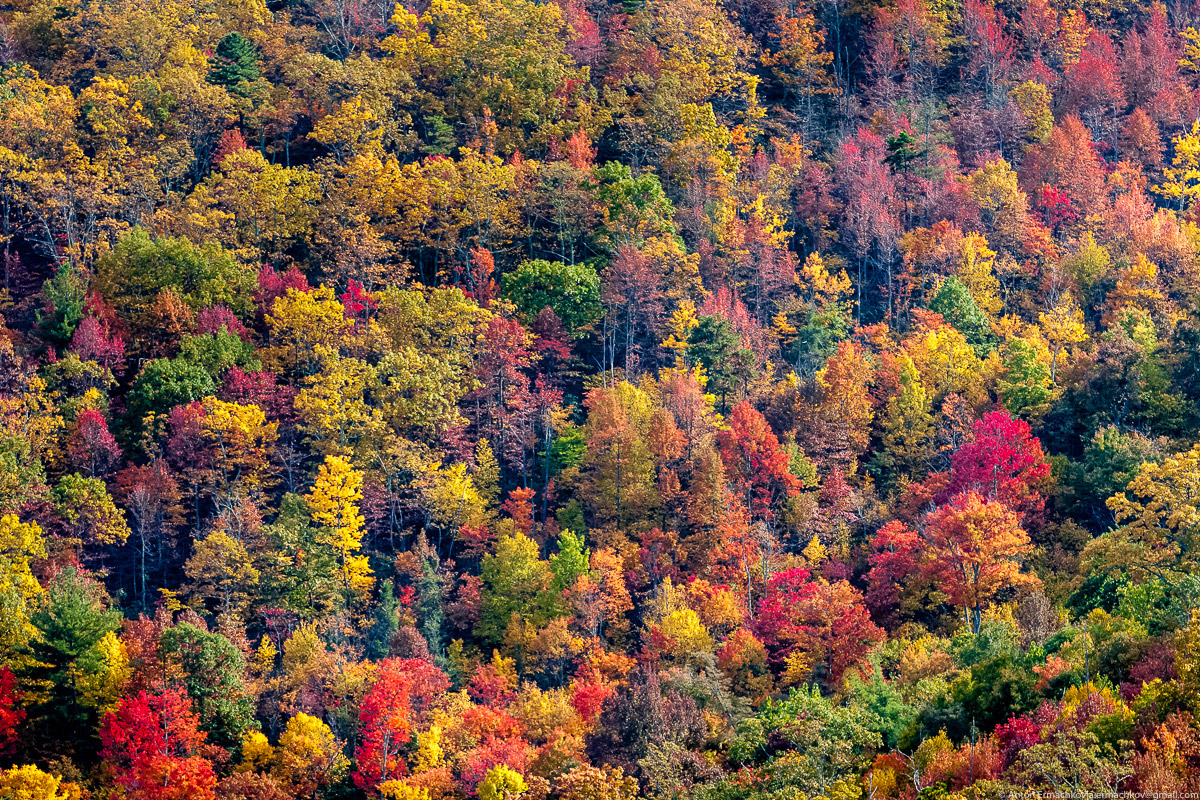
pixel 1003 207
pixel 221 572
pixel 1181 180
pixel 27 782
pixel 947 363
pixel 20 543
pixel 450 497
pixel 1063 327
pixel 335 407
pixel 1159 518
pixel 303 326
pixel 250 205
pixel 976 270
pixel 333 502
pixel 309 756
pixel 242 438
pixel 102 689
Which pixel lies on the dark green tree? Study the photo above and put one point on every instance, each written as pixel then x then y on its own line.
pixel 64 295
pixel 384 624
pixel 213 674
pixel 716 346
pixel 430 598
pixel 235 63
pixel 439 137
pixel 71 619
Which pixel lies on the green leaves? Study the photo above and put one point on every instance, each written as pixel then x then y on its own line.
pixel 572 291
pixel 954 302
pixel 71 620
pixel 235 64
pixel 65 294
pixel 165 383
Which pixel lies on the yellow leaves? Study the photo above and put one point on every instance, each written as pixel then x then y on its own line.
pixel 1181 180
pixel 486 477
pixel 447 204
pixel 491 57
pixel 263 661
pixel 798 667
pixel 243 438
pixel 947 363
pixel 1159 515
pixel 1063 327
pixel 110 114
pixel 220 570
pixel 36 118
pixel 257 753
pixel 543 714
pixel 399 790
pixel 430 754
pixel 681 626
pixel 1002 205
pixel 308 755
pixel 27 782
pixel 304 654
pixel 20 543
pixel 844 394
pixel 1138 290
pixel 502 783
pixel 687 634
pixel 1190 59
pixel 975 270
pixel 1073 35
pixel 352 129
pixel 683 320
pixel 821 287
pixel 29 414
pixel 451 497
pixel 814 552
pixel 300 323
pixel 1034 102
pixel 257 208
pixel 420 392
pixel 703 150
pixel 699 44
pixel 333 502
pixel 170 600
pixel 102 689
pixel 334 405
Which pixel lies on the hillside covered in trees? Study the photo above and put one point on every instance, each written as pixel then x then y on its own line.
pixel 597 400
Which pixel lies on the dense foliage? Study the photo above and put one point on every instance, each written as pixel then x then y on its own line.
pixel 597 400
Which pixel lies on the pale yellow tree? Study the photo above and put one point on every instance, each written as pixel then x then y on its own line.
pixel 976 269
pixel 333 502
pixel 1181 180
pixel 1063 327
pixel 1159 519
pixel 221 573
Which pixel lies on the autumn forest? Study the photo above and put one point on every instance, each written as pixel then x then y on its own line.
pixel 599 399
